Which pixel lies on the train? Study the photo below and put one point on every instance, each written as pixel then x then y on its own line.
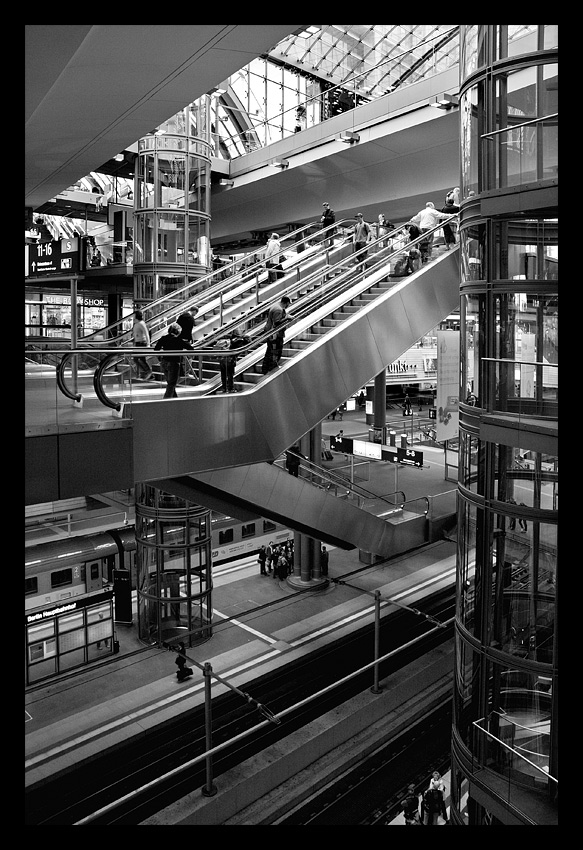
pixel 73 566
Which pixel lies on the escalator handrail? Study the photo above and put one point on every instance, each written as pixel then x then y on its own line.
pixel 323 295
pixel 212 290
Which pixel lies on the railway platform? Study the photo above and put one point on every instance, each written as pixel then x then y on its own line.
pixel 258 621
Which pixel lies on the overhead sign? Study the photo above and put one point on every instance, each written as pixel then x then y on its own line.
pixel 374 451
pixel 58 257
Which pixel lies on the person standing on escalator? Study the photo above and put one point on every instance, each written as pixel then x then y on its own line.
pixel 276 316
pixel 272 258
pixel 327 219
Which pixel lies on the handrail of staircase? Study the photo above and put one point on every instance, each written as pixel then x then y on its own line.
pixel 203 288
pixel 307 304
pixel 332 479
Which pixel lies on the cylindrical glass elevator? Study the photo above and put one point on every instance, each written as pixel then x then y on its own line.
pixel 174 568
pixel 172 204
pixel 504 743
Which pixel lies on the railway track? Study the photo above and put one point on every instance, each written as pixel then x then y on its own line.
pixel 132 771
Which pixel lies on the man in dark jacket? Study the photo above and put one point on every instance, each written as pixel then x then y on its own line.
pixel 186 322
pixel 328 218
pixel 171 365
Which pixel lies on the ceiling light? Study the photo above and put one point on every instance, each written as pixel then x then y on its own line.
pixel 226 182
pixel 445 101
pixel 119 157
pixel 349 137
pixel 279 163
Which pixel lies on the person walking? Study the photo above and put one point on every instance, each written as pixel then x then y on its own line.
pixel 171 365
pixel 272 257
pixel 327 219
pixel 141 338
pixel 407 405
pixel 426 219
pixel 362 235
pixel 276 316
pixel 261 559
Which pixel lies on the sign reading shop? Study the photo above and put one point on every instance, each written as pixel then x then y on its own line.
pixel 51 258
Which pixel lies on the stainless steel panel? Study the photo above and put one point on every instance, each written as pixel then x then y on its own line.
pixel 273 493
pixel 175 437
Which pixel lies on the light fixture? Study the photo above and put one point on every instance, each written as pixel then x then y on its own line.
pixel 226 182
pixel 279 163
pixel 348 136
pixel 119 157
pixel 446 101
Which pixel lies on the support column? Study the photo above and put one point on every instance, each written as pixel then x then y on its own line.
pixel 307 549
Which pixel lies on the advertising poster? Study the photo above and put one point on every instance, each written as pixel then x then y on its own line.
pixel 448 380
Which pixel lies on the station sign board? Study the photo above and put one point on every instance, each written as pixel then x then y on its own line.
pixel 60 257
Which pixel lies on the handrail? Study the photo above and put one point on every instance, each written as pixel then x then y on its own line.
pixel 302 308
pixel 339 480
pixel 218 748
pixel 518 126
pixel 520 362
pixel 199 288
pixel 506 746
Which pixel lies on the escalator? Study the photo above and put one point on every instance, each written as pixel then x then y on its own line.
pixel 350 318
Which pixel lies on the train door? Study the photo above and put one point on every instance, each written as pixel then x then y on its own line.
pixel 93 575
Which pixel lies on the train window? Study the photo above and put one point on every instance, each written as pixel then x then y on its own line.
pixel 30 585
pixel 61 578
pixel 268 526
pixel 248 530
pixel 225 536
pixel 94 571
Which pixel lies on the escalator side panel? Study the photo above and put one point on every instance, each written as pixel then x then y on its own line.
pixel 276 495
pixel 174 437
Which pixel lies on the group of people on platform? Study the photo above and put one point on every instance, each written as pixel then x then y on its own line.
pixel 278 560
pixel 427 808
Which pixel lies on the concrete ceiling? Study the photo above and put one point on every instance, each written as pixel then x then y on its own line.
pixel 92 91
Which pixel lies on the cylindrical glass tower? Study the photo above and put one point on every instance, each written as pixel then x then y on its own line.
pixel 172 204
pixel 174 568
pixel 504 742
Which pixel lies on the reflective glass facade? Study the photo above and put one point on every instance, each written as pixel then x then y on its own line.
pixel 504 744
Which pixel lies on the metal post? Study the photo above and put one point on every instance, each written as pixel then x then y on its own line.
pixel 376 688
pixel 210 789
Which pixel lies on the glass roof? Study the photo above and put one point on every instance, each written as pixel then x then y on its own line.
pixel 378 57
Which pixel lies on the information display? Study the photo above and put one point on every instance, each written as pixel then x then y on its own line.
pixel 376 451
pixel 50 258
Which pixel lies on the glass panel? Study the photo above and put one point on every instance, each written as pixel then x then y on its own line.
pixel 469 133
pixel 171 178
pixel 171 238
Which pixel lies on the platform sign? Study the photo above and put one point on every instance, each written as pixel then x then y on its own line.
pixel 410 457
pixel 52 258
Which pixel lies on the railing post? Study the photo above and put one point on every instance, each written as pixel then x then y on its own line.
pixel 210 789
pixel 376 688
